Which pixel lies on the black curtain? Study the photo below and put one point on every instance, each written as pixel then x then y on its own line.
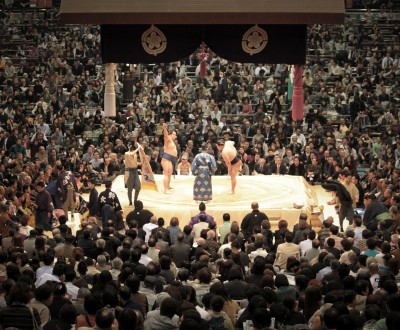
pixel 123 43
pixel 286 43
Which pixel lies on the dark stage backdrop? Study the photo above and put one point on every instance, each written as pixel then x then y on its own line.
pixel 168 43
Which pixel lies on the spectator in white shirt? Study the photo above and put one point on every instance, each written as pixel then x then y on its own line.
pixel 334 69
pixel 300 137
pixel 96 161
pixel 260 251
pixel 307 244
pixel 44 128
pixel 159 76
pixel 358 229
pixel 231 238
pixel 24 228
pixel 47 268
pixel 198 227
pixel 266 69
pixel 56 276
pixel 144 258
pixel 148 227
pixel 72 290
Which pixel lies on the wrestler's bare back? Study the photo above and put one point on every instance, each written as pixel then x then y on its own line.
pixel 229 152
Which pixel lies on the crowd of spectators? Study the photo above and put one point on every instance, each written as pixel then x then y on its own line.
pixel 141 273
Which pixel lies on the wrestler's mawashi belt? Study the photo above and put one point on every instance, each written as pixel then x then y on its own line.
pixel 169 157
pixel 130 169
pixel 235 160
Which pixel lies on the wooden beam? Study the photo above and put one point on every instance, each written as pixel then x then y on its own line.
pixel 202 12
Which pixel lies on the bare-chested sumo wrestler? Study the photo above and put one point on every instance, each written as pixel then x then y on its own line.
pixel 233 162
pixel 169 157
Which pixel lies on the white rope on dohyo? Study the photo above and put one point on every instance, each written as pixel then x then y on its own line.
pixel 109 93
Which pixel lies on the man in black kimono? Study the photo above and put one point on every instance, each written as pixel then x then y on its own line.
pixel 93 198
pixel 108 204
pixel 44 208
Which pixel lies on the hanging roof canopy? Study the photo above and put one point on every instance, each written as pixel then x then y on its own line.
pixel 202 12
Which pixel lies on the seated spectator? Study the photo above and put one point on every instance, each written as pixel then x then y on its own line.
pixel 130 319
pixel 105 319
pixel 330 247
pixel 166 272
pixel 163 318
pixel 260 251
pixel 66 319
pixel 15 316
pixel 218 318
pixel 125 296
pixel 283 289
pixel 173 229
pixel 235 286
pixel 285 250
pixel 59 300
pixel 133 282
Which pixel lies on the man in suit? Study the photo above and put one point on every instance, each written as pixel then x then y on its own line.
pixel 107 169
pixel 180 252
pixel 72 103
pixel 305 157
pixel 170 75
pixel 248 130
pixel 12 139
pixel 324 159
pixel 342 158
pixel 145 76
pixel 328 169
pixel 296 168
pixel 294 145
pixel 261 168
pixel 277 167
pixel 313 171
pixel 269 135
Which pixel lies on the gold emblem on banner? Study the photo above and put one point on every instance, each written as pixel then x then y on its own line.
pixel 254 40
pixel 154 41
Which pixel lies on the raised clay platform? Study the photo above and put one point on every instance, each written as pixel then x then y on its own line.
pixel 276 196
